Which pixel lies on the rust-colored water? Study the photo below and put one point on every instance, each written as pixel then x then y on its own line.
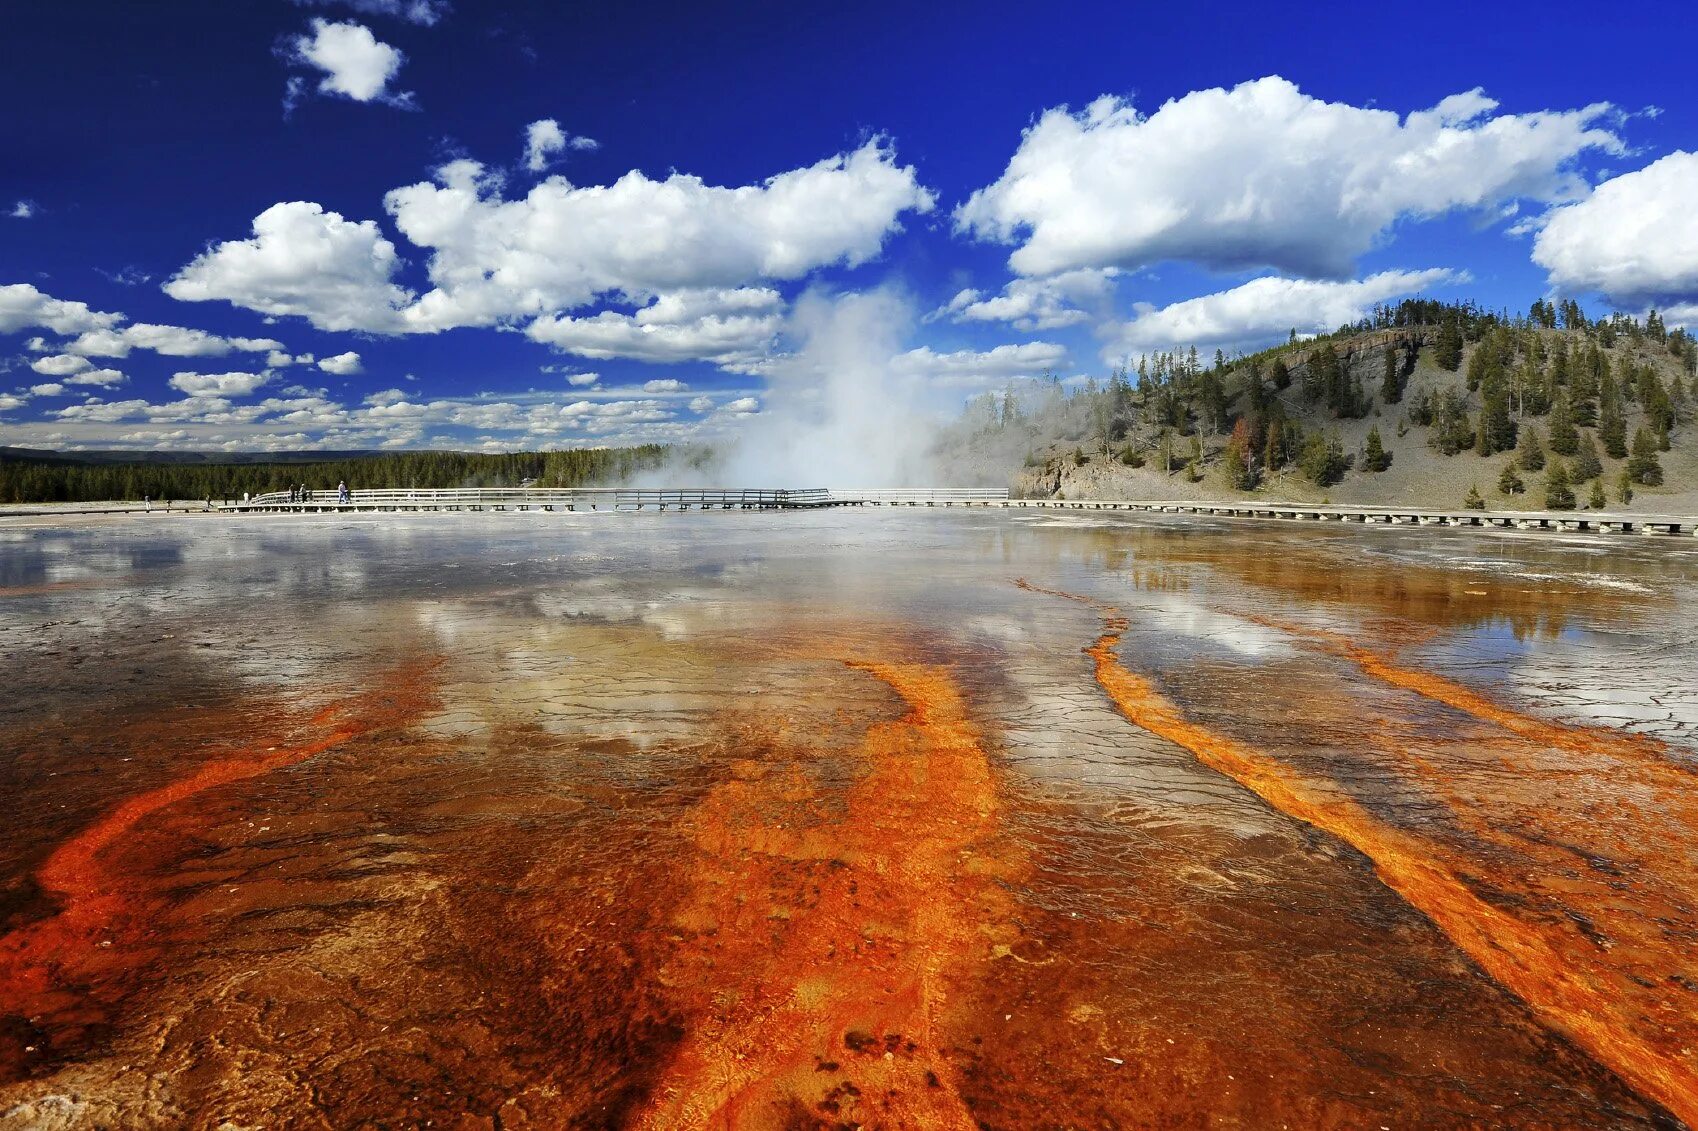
pixel 1575 984
pixel 820 822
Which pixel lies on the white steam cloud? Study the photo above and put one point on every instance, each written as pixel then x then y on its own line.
pixel 837 412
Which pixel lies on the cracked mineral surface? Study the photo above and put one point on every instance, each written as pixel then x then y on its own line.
pixel 935 819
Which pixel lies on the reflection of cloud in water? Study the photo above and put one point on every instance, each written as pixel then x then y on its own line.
pixel 1582 676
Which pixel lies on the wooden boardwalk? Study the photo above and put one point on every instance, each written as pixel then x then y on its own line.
pixel 583 499
pixel 547 499
pixel 1575 522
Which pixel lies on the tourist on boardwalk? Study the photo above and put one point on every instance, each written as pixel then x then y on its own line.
pixel 342 492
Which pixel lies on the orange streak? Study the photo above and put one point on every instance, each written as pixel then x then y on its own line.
pixel 854 976
pixel 1585 740
pixel 100 925
pixel 1512 952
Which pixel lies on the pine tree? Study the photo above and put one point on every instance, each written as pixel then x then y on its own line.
pixel 1447 351
pixel 1530 454
pixel 1496 430
pixel 1510 483
pixel 1559 491
pixel 1565 437
pixel 1323 459
pixel 1596 500
pixel 1474 502
pixel 1612 420
pixel 1374 455
pixel 1624 487
pixel 1588 371
pixel 1391 382
pixel 1643 467
pixel 1587 465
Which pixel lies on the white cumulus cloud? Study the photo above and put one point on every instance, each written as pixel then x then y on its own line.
pixel 60 365
pixel 1635 239
pixel 218 384
pixel 1048 303
pixel 304 261
pixel 724 326
pixel 975 368
pixel 688 249
pixel 99 378
pixel 23 306
pixel 23 210
pixel 356 64
pixel 562 246
pixel 1265 310
pixel 1263 175
pixel 545 138
pixel 172 341
pixel 342 365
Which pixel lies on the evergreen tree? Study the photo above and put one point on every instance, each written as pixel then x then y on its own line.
pixel 1559 491
pixel 1447 351
pixel 1391 382
pixel 1374 455
pixel 1565 437
pixel 1596 500
pixel 1588 374
pixel 1275 452
pixel 1323 459
pixel 1587 465
pixel 1624 487
pixel 1474 502
pixel 1530 454
pixel 1510 483
pixel 1612 420
pixel 1452 430
pixel 1496 430
pixel 1279 374
pixel 1643 467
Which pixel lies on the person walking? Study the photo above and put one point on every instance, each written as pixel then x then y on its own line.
pixel 342 492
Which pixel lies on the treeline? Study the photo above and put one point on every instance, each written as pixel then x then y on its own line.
pixel 48 481
pixel 1551 362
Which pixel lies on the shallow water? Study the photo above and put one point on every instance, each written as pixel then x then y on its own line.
pixel 945 818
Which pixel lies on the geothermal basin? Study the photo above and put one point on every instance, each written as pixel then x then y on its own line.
pixel 946 818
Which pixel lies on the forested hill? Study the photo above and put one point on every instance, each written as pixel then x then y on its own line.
pixel 1424 403
pixel 62 477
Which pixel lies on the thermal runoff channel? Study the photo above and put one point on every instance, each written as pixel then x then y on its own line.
pixel 929 818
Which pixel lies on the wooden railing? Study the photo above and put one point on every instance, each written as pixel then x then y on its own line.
pixel 609 498
pixel 714 498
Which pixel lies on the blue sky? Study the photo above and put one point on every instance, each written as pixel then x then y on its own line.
pixel 462 207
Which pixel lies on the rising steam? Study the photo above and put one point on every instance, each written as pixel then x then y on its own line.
pixel 839 410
